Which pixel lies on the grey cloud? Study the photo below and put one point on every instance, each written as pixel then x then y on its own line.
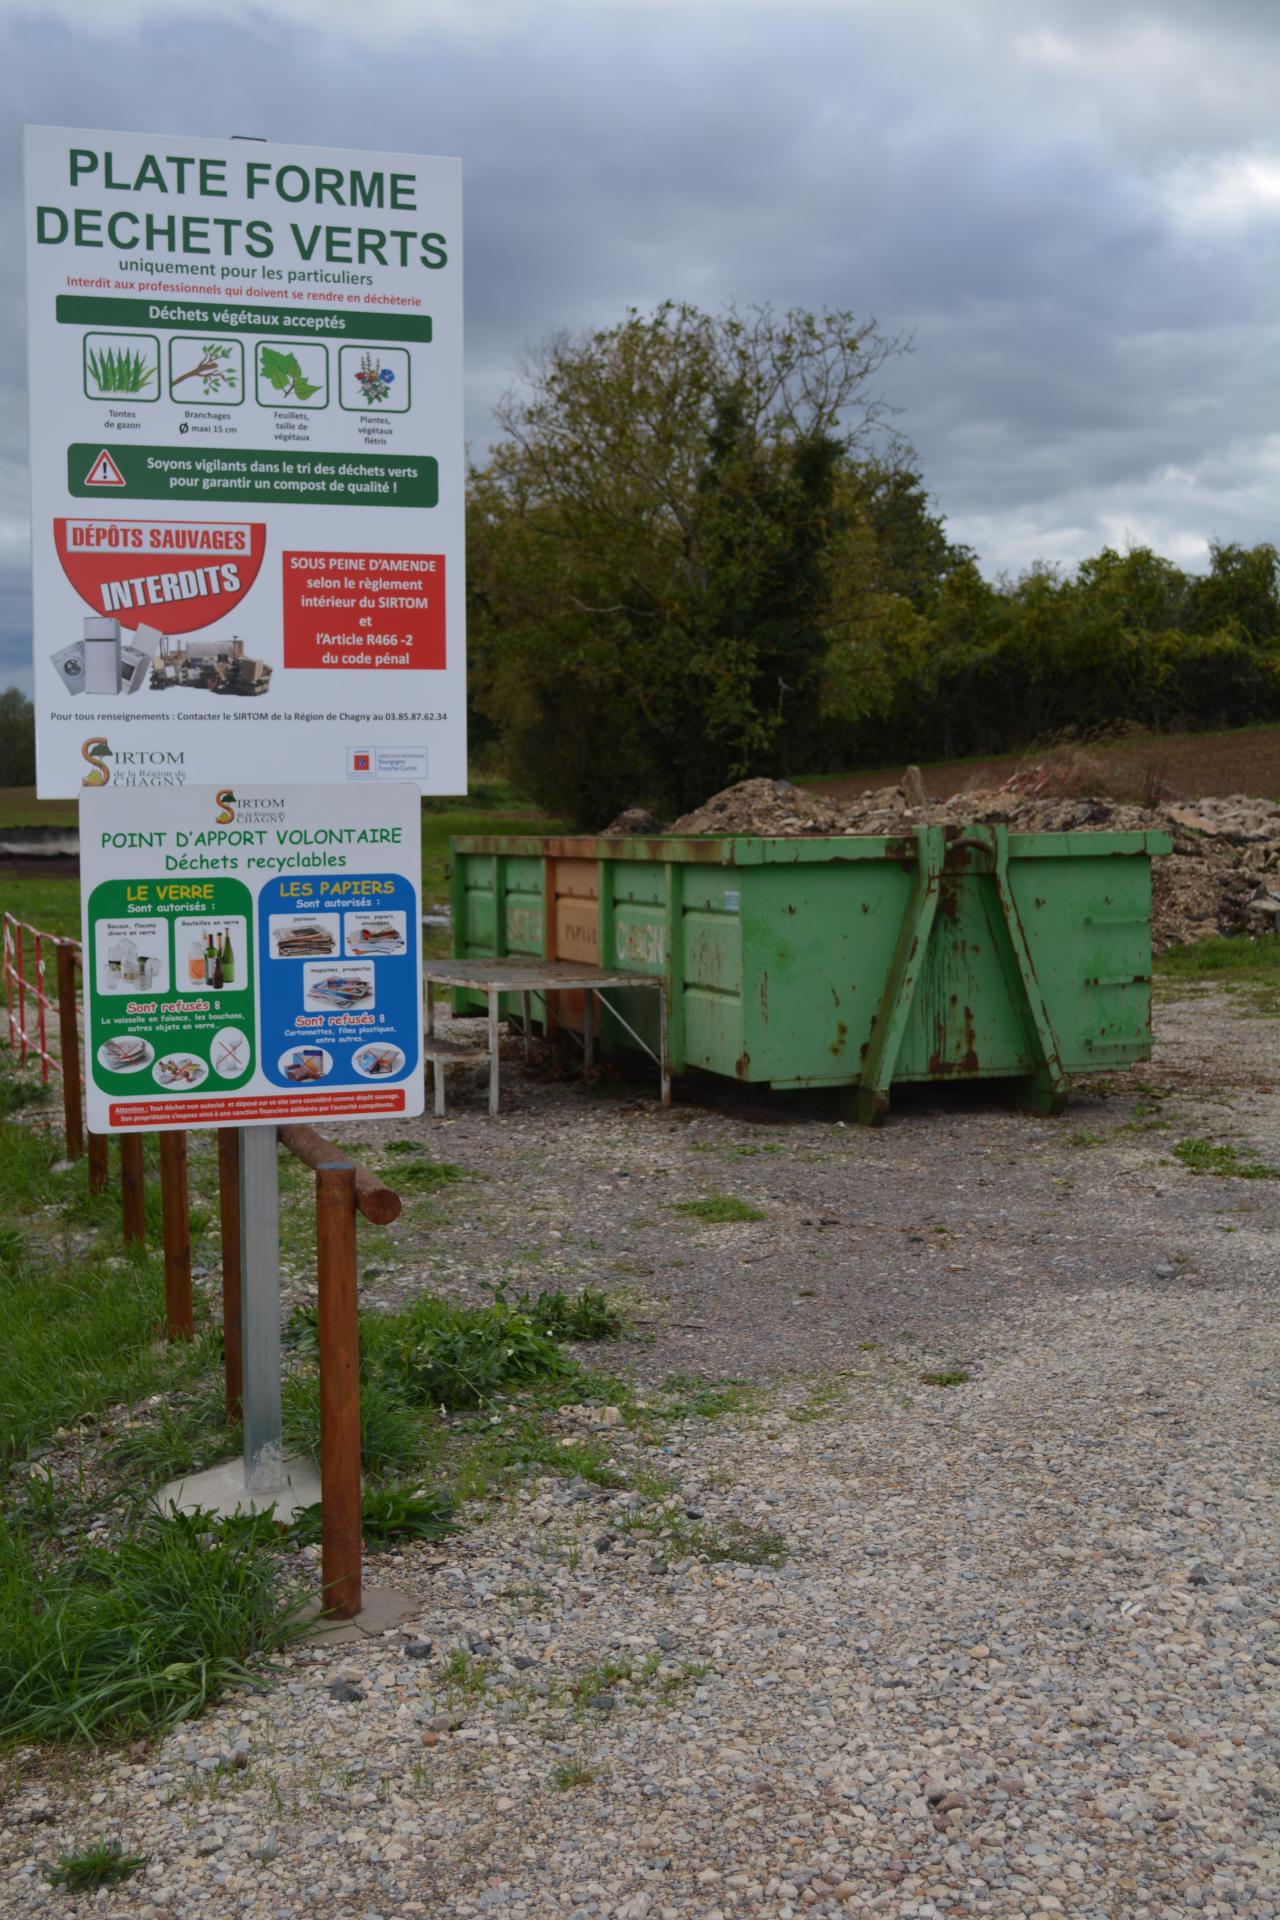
pixel 1002 180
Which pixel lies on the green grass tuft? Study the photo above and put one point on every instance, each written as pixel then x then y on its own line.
pixel 948 1377
pixel 1238 1163
pixel 103 1865
pixel 719 1209
pixel 572 1774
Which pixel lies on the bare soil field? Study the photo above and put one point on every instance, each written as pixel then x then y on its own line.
pixel 1194 765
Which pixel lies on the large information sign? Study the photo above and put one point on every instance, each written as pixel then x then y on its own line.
pixel 251 956
pixel 247 462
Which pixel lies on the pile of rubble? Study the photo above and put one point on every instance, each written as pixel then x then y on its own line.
pixel 1223 875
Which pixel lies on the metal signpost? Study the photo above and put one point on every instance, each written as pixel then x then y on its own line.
pixel 247 525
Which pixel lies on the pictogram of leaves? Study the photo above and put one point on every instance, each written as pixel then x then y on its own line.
pixel 285 375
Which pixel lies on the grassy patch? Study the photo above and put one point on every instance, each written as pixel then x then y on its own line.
pixel 127 1639
pixel 718 1209
pixel 179 1439
pixel 1245 964
pixel 1238 1163
pixel 53 905
pixel 947 1377
pixel 79 1334
pixel 103 1865
pixel 424 1176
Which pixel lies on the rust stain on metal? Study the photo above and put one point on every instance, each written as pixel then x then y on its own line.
pixel 764 997
pixel 742 1065
pixel 842 1034
pixel 940 1064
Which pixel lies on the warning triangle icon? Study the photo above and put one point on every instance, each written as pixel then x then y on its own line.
pixel 104 472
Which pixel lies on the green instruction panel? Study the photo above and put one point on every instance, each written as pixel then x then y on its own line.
pixel 173 999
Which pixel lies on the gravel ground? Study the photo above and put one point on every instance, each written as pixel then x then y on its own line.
pixel 1006 1646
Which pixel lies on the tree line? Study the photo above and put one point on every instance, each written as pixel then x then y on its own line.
pixel 701 551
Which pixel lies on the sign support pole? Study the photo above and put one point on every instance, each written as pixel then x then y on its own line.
pixel 260 1296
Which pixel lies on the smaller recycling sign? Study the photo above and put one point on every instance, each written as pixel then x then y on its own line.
pixel 250 955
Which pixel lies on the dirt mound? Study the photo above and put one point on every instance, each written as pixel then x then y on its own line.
pixel 1223 875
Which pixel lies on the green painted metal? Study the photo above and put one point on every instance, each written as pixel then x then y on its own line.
pixel 856 962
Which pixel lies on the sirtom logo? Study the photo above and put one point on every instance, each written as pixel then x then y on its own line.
pixel 132 766
pixel 96 752
pixel 226 805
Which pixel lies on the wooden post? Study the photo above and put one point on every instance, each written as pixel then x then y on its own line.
pixel 72 1106
pixel 98 1164
pixel 133 1209
pixel 229 1221
pixel 175 1213
pixel 339 1343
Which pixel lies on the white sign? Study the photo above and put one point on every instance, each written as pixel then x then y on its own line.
pixel 251 955
pixel 247 462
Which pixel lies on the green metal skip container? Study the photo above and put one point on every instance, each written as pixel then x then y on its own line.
pixel 858 962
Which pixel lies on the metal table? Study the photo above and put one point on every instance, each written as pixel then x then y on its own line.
pixel 527 977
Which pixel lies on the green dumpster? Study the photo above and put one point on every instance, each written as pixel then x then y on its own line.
pixel 948 953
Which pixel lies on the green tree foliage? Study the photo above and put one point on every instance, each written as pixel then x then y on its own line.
pixel 699 552
pixel 648 549
pixel 17 740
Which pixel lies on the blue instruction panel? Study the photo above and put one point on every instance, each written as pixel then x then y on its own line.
pixel 341 979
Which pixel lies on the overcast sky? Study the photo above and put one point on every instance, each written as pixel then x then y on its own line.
pixel 1072 206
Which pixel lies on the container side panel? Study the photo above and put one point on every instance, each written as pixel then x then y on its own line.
pixel 577 911
pixel 476 933
pixel 1088 926
pixel 817 943
pixel 639 920
pixel 712 971
pixel 525 907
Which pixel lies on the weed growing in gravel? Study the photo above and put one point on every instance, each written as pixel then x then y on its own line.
pixel 126 1639
pixel 1242 1163
pixel 719 1209
pixel 1083 1138
pixel 821 1401
pixel 587 1315
pixel 386 1514
pixel 687 1397
pixel 454 1357
pixel 572 1774
pixel 104 1865
pixel 466 1677
pixel 949 1377
pixel 593 1681
pixel 180 1439
pixel 727 1540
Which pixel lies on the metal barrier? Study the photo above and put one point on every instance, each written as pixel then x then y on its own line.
pixel 343 1189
